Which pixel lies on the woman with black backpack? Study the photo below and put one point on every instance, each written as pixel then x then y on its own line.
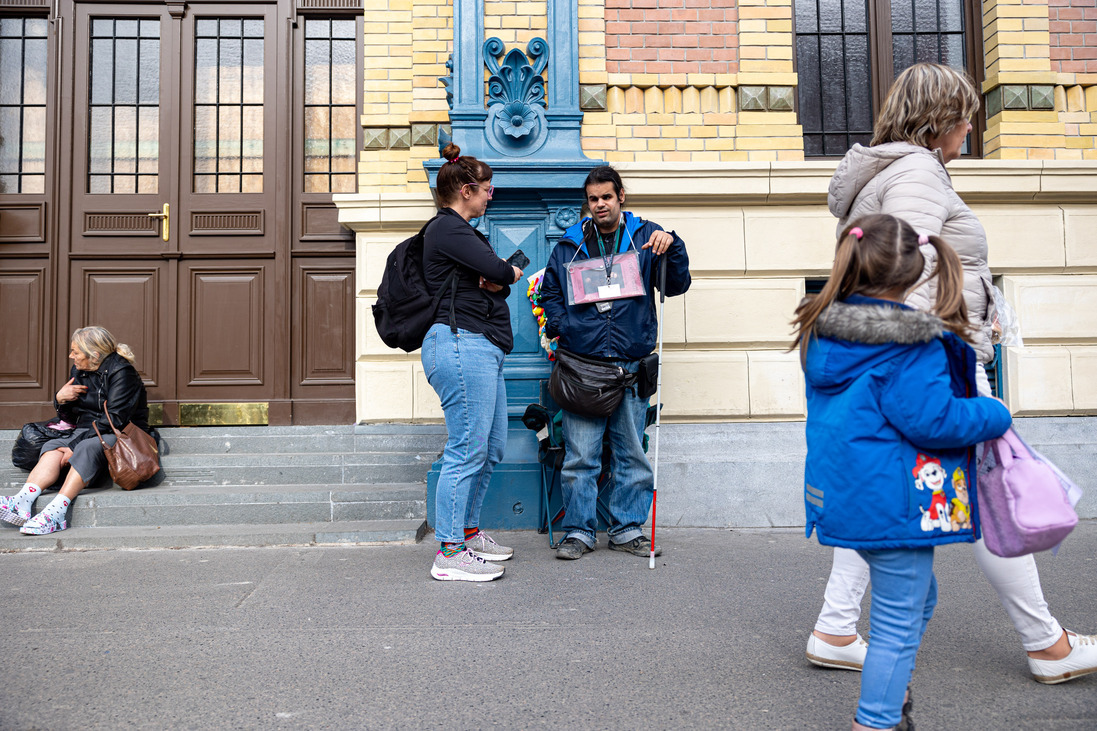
pixel 463 355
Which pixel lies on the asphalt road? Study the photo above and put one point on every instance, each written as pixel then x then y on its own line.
pixel 362 638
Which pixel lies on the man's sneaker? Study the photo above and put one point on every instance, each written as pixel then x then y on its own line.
pixel 638 546
pixel 826 655
pixel 42 524
pixel 571 549
pixel 484 546
pixel 1082 660
pixel 11 513
pixel 463 566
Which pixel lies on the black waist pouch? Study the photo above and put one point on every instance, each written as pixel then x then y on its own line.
pixel 647 376
pixel 587 387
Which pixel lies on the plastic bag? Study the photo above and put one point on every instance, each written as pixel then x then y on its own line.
pixel 1006 327
pixel 24 453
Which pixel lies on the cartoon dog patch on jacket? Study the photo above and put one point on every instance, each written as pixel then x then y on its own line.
pixel 961 504
pixel 930 475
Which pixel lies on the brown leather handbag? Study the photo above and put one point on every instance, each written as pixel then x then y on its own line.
pixel 134 457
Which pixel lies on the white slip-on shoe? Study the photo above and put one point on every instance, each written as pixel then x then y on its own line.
pixel 1082 660
pixel 826 655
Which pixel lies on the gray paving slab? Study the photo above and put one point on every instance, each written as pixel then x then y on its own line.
pixel 352 637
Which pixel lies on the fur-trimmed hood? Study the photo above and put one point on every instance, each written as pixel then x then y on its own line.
pixel 860 333
pixel 876 324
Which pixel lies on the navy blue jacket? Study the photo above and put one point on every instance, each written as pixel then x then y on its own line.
pixel 629 329
pixel 892 417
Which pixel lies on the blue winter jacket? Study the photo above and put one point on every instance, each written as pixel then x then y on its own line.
pixel 629 329
pixel 892 417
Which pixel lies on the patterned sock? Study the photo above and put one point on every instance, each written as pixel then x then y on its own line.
pixel 470 532
pixel 56 509
pixel 25 498
pixel 451 549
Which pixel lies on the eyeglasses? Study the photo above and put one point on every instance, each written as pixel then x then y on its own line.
pixel 491 188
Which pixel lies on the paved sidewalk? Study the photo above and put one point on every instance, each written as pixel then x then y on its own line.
pixel 361 637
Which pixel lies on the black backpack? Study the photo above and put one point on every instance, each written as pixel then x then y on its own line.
pixel 405 308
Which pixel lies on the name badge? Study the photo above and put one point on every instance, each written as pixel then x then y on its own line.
pixel 609 291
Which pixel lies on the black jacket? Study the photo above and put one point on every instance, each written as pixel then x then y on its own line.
pixel 450 241
pixel 117 383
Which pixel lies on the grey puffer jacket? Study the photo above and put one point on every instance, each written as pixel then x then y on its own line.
pixel 910 182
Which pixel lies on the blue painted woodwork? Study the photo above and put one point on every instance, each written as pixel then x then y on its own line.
pixel 528 131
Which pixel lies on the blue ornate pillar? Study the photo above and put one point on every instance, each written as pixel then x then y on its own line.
pixel 528 130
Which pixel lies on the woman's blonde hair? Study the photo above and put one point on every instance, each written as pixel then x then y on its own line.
pixel 926 101
pixel 879 255
pixel 96 343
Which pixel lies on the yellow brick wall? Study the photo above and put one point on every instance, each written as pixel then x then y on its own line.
pixel 693 117
pixel 1016 45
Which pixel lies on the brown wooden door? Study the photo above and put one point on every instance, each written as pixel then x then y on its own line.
pixel 182 239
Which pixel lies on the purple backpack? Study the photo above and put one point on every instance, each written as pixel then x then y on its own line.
pixel 1022 504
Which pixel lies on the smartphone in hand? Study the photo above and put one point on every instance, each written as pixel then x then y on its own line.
pixel 518 259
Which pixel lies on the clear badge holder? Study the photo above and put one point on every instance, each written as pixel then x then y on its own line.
pixel 589 283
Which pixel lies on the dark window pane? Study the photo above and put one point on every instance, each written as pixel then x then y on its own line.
pixel 856 12
pixel 813 145
pixel 834 92
pixel 809 90
pixel 951 14
pixel 835 144
pixel 830 16
pixel 925 17
pixel 925 49
pixel 952 51
pixel 902 16
pixel 858 83
pixel 807 17
pixel 902 48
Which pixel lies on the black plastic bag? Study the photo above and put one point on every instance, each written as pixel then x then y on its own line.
pixel 28 444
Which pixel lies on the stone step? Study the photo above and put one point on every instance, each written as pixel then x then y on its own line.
pixel 202 536
pixel 412 439
pixel 247 504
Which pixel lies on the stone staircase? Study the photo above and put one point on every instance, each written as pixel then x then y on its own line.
pixel 255 486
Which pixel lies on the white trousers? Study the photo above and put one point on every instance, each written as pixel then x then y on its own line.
pixel 1015 579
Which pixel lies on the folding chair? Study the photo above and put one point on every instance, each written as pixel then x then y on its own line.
pixel 550 453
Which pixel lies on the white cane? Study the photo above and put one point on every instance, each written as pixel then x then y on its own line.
pixel 658 406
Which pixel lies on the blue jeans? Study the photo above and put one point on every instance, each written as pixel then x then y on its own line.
pixel 631 492
pixel 904 593
pixel 466 370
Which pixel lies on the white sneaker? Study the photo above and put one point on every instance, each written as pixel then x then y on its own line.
pixel 484 546
pixel 463 566
pixel 1082 660
pixel 826 655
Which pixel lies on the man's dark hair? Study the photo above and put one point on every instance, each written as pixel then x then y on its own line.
pixel 604 174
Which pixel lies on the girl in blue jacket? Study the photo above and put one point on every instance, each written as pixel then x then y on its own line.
pixel 891 428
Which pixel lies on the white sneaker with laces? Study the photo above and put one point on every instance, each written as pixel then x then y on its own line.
pixel 826 655
pixel 1082 660
pixel 463 566
pixel 484 546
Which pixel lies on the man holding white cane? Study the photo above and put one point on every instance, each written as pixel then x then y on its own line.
pixel 599 298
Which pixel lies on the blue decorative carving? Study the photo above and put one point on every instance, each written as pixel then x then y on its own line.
pixel 516 97
pixel 447 81
pixel 566 218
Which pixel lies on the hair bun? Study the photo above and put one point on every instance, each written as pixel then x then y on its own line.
pixel 451 152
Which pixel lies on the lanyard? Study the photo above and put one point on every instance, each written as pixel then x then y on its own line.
pixel 608 261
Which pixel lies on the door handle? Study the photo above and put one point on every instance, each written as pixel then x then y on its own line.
pixel 165 215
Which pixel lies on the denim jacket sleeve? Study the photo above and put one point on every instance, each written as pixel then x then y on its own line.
pixel 678 276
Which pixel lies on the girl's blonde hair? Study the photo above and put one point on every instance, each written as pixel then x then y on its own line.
pixel 878 255
pixel 925 101
pixel 96 343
